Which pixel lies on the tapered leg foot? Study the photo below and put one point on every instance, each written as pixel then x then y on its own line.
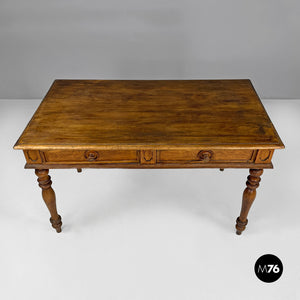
pixel 48 194
pixel 240 226
pixel 248 198
pixel 56 224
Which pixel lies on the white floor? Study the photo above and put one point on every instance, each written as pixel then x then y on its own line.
pixel 147 234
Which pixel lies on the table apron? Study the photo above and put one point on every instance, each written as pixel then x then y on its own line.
pixel 140 159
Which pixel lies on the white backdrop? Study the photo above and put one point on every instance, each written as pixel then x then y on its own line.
pixel 149 39
pixel 147 234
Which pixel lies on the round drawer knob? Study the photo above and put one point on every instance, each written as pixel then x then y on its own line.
pixel 205 155
pixel 91 155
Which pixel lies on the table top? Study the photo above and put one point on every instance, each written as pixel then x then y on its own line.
pixel 142 114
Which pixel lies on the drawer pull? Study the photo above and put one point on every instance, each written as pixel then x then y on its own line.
pixel 205 155
pixel 91 155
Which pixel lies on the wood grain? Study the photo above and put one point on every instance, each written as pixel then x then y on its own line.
pixel 159 158
pixel 248 198
pixel 150 114
pixel 88 156
pixel 48 194
pixel 152 124
pixel 174 165
pixel 217 155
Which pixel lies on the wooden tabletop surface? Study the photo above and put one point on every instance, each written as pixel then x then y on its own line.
pixel 160 114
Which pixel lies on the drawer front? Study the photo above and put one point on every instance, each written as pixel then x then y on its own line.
pixel 206 156
pixel 90 156
pixel 152 158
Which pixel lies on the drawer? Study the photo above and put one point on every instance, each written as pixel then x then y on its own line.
pixel 90 156
pixel 151 157
pixel 205 156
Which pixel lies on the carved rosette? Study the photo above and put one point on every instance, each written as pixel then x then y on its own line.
pixel 91 155
pixel 205 155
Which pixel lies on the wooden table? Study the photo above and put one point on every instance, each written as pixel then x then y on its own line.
pixel 150 124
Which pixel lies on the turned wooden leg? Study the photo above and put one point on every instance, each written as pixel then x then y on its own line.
pixel 248 198
pixel 48 194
